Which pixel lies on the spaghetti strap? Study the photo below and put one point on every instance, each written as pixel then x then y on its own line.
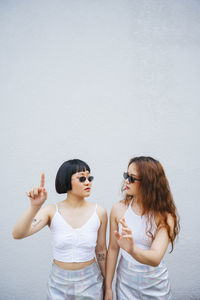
pixel 131 202
pixel 56 207
pixel 96 208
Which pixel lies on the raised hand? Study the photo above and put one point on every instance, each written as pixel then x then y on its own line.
pixel 38 195
pixel 125 240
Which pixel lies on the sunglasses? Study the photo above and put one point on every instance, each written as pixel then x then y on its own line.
pixel 130 178
pixel 83 178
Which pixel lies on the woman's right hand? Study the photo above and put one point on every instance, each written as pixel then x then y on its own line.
pixel 108 294
pixel 38 195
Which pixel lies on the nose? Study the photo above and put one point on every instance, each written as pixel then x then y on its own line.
pixel 87 181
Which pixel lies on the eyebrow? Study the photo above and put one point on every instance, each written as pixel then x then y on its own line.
pixel 132 174
pixel 83 173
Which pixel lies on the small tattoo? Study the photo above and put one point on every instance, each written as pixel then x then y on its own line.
pixel 35 222
pixel 100 257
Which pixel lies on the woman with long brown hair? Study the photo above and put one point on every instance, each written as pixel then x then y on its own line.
pixel 141 227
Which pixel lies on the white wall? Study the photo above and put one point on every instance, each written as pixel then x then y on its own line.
pixel 101 81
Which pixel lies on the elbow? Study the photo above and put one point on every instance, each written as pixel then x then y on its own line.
pixel 155 263
pixel 16 236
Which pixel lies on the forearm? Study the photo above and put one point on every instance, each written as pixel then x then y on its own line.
pixel 147 257
pixel 111 265
pixel 23 225
pixel 101 258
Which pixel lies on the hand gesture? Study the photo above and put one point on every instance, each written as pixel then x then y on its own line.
pixel 38 195
pixel 125 240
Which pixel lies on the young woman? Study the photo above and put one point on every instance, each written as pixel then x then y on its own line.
pixel 78 230
pixel 141 226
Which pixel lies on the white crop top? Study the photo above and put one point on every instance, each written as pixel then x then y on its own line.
pixel 74 244
pixel 137 224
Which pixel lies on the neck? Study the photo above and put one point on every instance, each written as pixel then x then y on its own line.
pixel 74 200
pixel 137 203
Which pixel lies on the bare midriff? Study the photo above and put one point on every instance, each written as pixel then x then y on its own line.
pixel 73 265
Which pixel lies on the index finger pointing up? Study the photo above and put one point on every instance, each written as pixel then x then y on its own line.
pixel 42 180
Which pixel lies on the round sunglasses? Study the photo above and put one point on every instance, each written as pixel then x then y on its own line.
pixel 83 178
pixel 131 179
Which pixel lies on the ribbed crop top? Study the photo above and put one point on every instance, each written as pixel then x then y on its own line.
pixel 74 244
pixel 137 224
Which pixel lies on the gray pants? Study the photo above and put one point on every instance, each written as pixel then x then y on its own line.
pixel 143 282
pixel 84 284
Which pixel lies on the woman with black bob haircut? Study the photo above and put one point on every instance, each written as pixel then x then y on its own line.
pixel 78 229
pixel 65 172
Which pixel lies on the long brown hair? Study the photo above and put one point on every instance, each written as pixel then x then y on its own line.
pixel 155 196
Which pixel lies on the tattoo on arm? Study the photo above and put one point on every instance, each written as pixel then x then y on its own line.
pixel 35 222
pixel 100 256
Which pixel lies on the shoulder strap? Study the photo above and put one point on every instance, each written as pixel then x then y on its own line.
pixel 130 203
pixel 56 207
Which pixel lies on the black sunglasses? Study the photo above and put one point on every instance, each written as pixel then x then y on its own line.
pixel 130 178
pixel 83 178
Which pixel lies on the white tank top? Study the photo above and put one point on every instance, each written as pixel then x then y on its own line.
pixel 137 224
pixel 74 244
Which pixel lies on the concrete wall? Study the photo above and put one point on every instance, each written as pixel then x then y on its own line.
pixel 101 81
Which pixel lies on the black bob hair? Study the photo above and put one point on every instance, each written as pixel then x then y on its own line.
pixel 65 172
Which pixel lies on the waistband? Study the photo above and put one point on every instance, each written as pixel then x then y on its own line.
pixel 124 263
pixel 83 273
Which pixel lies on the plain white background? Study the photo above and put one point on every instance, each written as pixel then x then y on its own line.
pixel 102 81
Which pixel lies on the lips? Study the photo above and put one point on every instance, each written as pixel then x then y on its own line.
pixel 87 189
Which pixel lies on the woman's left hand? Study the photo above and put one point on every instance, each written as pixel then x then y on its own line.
pixel 125 240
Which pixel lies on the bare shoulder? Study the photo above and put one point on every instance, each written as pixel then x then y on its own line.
pixel 170 221
pixel 50 207
pixel 49 210
pixel 101 212
pixel 45 213
pixel 119 205
pixel 118 210
pixel 159 221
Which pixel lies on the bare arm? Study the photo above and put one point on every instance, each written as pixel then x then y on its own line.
pixel 152 256
pixel 101 248
pixel 35 218
pixel 32 221
pixel 113 251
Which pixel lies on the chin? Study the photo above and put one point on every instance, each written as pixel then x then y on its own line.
pixel 128 193
pixel 87 194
